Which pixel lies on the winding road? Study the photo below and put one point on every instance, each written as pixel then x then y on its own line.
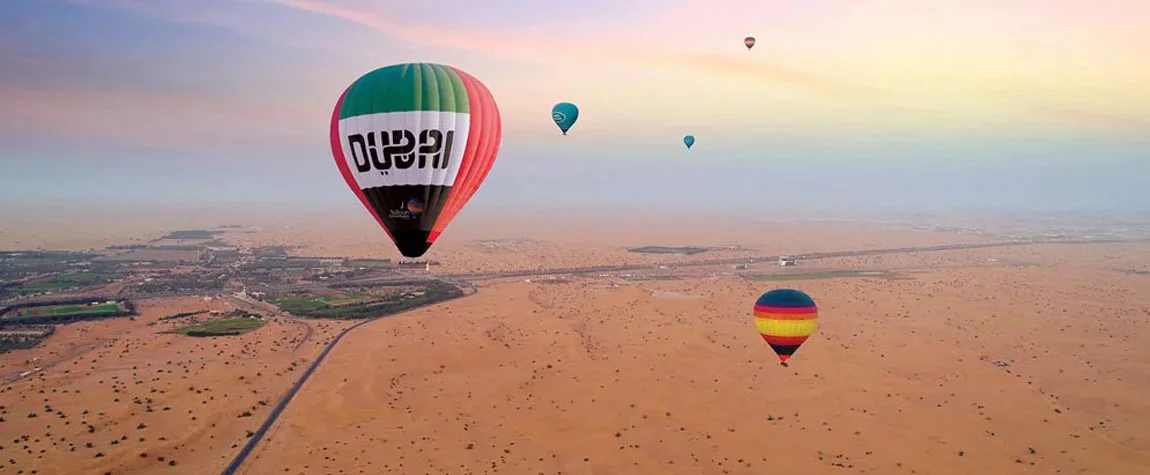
pixel 461 280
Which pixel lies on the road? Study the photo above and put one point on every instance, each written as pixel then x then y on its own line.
pixel 279 407
pixel 461 279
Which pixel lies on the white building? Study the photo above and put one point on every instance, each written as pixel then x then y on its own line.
pixel 785 261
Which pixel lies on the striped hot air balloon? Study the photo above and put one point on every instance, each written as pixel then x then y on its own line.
pixel 785 318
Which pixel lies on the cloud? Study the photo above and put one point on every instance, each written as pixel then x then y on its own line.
pixel 147 120
pixel 1096 118
pixel 532 46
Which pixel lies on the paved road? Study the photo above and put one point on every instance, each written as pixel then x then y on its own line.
pixel 279 407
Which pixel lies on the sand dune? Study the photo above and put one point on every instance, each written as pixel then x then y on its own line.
pixel 1009 360
pixel 117 395
pixel 901 378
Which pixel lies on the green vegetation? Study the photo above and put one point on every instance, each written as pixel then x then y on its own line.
pixel 234 326
pixel 356 304
pixel 102 309
pixel 314 303
pixel 284 263
pixel 24 337
pixel 668 250
pixel 182 315
pixel 9 343
pixel 192 234
pixel 15 266
pixel 64 311
pixel 834 274
pixel 62 282
pixel 645 278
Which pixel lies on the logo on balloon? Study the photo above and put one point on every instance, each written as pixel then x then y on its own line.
pixel 409 209
pixel 414 206
pixel 558 116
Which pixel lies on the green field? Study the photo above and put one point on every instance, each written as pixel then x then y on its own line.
pixel 364 305
pixel 36 261
pixel 235 326
pixel 647 278
pixel 312 303
pixel 835 274
pixel 192 234
pixel 80 309
pixel 62 282
pixel 182 315
pixel 667 250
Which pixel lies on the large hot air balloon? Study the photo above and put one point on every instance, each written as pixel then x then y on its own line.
pixel 749 41
pixel 414 141
pixel 689 140
pixel 565 114
pixel 785 318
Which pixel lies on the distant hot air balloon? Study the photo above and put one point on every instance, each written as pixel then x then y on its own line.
pixel 785 318
pixel 689 141
pixel 565 114
pixel 749 41
pixel 414 141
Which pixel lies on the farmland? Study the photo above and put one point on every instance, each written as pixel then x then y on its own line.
pixel 106 308
pixel 829 274
pixel 233 326
pixel 64 282
pixel 352 303
pixel 158 254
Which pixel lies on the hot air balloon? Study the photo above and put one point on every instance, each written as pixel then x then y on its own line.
pixel 414 141
pixel 565 114
pixel 689 141
pixel 785 318
pixel 749 41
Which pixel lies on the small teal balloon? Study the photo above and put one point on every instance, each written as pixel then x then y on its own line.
pixel 565 114
pixel 689 140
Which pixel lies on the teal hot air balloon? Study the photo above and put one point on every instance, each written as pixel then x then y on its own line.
pixel 565 114
pixel 689 141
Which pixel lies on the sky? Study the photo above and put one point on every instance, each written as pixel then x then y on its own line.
pixel 866 104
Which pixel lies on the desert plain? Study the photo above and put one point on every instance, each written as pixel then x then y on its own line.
pixel 1027 359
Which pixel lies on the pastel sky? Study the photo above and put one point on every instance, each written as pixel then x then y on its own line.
pixel 845 104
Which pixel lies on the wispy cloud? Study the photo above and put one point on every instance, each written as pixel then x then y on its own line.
pixel 1094 118
pixel 531 45
pixel 138 119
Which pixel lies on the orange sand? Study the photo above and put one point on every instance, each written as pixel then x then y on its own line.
pixel 577 378
pixel 137 395
pixel 650 377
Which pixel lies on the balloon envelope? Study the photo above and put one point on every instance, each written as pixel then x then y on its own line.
pixel 689 141
pixel 785 319
pixel 565 114
pixel 749 41
pixel 414 141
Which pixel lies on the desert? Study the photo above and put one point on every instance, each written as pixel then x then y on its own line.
pixel 1016 358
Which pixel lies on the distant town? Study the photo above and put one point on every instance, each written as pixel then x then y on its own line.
pixel 41 288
